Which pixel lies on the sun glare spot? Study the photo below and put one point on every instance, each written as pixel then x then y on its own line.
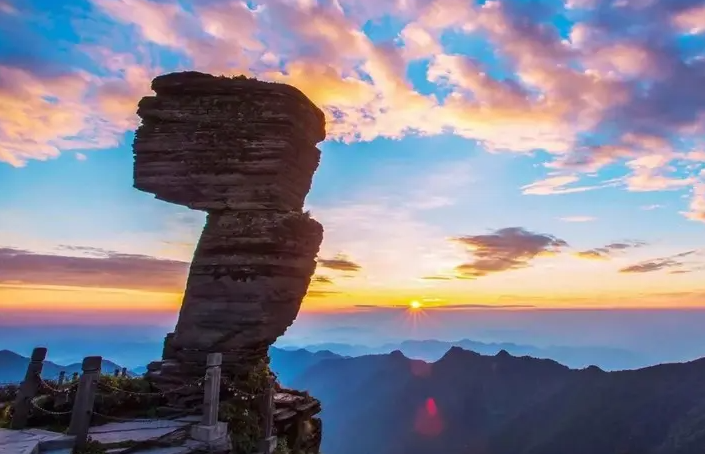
pixel 415 305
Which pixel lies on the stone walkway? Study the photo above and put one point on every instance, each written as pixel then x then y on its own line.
pixel 171 432
pixel 29 441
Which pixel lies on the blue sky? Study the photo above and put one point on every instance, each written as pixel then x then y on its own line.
pixel 476 151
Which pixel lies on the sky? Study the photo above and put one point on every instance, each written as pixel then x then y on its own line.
pixel 480 155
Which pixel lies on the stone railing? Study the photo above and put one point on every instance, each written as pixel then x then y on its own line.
pixel 208 430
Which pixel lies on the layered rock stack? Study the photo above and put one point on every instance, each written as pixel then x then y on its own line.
pixel 245 152
pixel 294 420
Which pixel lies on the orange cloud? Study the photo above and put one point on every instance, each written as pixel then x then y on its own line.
pixel 44 115
pixel 324 84
pixel 40 115
pixel 591 255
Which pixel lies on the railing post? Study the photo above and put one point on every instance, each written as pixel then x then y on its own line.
pixel 211 394
pixel 85 398
pixel 28 388
pixel 123 372
pixel 116 373
pixel 62 398
pixel 210 430
pixel 268 443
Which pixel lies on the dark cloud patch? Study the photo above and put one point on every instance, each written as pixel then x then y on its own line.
pixel 96 251
pixel 321 280
pixel 437 278
pixel 607 251
pixel 102 269
pixel 506 249
pixel 663 263
pixel 339 263
pixel 667 97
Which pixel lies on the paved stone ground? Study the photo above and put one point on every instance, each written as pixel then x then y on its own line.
pixel 140 430
pixel 28 441
pixel 174 432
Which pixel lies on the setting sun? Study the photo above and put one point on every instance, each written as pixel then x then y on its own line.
pixel 415 305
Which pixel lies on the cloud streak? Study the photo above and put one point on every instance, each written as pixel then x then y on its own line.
pixel 339 263
pixel 444 307
pixel 675 263
pixel 99 269
pixel 608 251
pixel 578 219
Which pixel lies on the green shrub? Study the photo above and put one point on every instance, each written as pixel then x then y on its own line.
pixel 282 446
pixel 110 400
pixel 243 415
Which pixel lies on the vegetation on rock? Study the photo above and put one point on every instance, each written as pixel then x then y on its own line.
pixel 240 408
pixel 123 397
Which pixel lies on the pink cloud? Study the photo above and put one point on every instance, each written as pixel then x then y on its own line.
pixel 648 174
pixel 559 91
pixel 419 42
pixel 697 203
pixel 691 20
pixel 156 21
pixel 39 114
pixel 622 60
pixel 578 219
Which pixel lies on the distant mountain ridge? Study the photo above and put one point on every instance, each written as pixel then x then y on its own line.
pixel 607 358
pixel 467 403
pixel 291 364
pixel 13 367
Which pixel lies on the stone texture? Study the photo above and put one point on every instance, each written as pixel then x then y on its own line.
pixel 215 143
pixel 294 420
pixel 245 152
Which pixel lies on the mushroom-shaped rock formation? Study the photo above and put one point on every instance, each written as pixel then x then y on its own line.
pixel 245 152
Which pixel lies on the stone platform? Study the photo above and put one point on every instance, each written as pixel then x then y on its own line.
pixel 158 437
pixel 32 441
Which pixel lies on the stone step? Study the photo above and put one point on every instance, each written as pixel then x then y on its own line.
pixel 29 441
